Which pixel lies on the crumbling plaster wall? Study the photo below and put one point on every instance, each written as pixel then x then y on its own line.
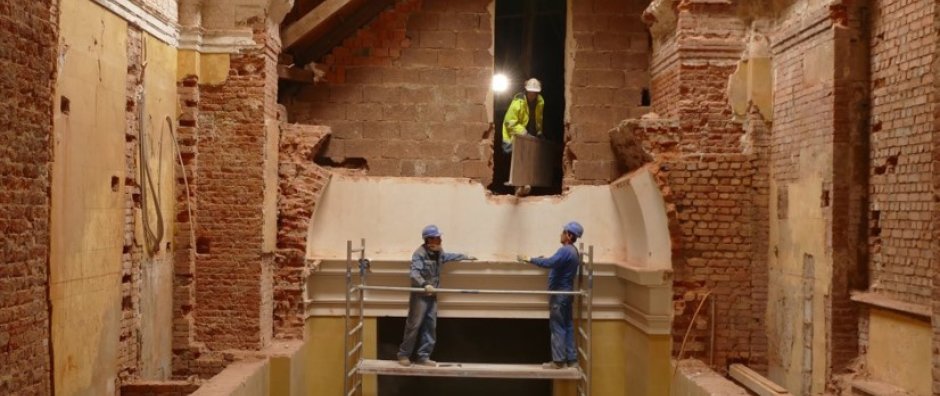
pixel 28 59
pixel 818 182
pixel 108 292
pixel 87 204
pixel 147 273
pixel 800 257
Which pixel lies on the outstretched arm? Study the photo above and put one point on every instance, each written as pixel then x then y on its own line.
pixel 457 257
pixel 559 257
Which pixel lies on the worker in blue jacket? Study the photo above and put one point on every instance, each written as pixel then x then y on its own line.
pixel 564 268
pixel 421 325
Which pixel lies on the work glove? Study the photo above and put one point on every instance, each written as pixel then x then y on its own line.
pixel 429 289
pixel 523 258
pixel 471 258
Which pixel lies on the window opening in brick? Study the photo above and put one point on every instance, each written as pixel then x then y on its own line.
pixel 530 43
pixel 498 341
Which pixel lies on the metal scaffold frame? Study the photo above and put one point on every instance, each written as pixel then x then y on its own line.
pixel 355 321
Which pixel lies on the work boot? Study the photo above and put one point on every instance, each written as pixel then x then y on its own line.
pixel 573 364
pixel 426 362
pixel 404 361
pixel 553 365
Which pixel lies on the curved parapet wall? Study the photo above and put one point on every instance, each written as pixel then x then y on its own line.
pixel 642 212
pixel 625 222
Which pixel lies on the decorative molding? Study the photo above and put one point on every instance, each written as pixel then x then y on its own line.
pixel 647 323
pixel 154 24
pixel 216 41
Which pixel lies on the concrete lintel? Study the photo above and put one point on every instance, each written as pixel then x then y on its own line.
pixel 887 302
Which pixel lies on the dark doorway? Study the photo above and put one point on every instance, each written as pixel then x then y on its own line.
pixel 471 341
pixel 530 42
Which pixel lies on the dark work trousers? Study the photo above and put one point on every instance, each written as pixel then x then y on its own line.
pixel 562 327
pixel 420 328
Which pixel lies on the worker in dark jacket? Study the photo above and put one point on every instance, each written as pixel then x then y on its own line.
pixel 564 268
pixel 421 325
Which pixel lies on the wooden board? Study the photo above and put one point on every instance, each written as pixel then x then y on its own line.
pixel 533 162
pixel 755 382
pixel 468 370
pixel 313 20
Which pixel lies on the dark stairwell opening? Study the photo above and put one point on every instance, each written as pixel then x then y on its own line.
pixel 498 341
pixel 530 43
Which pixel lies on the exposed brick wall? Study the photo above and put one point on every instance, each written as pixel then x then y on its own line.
pixel 664 82
pixel 610 69
pixel 129 347
pixel 28 38
pixel 301 183
pixel 714 200
pixel 849 195
pixel 903 45
pixel 184 239
pixel 710 40
pixel 408 92
pixel 936 206
pixel 717 206
pixel 231 266
pixel 718 190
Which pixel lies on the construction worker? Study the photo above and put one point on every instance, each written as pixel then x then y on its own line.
pixel 564 267
pixel 421 325
pixel 519 119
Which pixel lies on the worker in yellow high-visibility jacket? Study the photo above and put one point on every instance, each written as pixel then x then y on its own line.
pixel 519 119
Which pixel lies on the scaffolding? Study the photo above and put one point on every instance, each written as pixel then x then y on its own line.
pixel 355 366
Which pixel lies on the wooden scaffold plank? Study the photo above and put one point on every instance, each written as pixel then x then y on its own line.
pixel 468 370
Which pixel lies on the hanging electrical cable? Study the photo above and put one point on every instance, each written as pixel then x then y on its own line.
pixel 152 238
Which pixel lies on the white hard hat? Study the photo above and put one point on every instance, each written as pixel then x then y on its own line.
pixel 533 85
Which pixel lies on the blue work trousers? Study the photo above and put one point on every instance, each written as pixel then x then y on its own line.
pixel 420 328
pixel 562 327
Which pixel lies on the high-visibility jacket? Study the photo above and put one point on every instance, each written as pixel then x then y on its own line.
pixel 517 117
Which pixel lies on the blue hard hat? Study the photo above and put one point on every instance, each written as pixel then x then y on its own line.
pixel 574 228
pixel 430 231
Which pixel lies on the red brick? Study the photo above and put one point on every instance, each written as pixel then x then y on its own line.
pixel 437 39
pixel 474 40
pixel 28 46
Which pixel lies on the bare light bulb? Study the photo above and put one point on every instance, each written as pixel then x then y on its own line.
pixel 500 83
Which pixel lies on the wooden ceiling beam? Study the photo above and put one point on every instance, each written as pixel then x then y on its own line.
pixel 312 20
